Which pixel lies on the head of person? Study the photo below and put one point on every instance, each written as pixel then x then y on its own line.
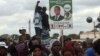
pixel 68 43
pixel 67 39
pixel 35 40
pixel 44 9
pixel 96 46
pixel 39 9
pixel 37 50
pixel 89 45
pixel 22 31
pixel 57 10
pixel 3 51
pixel 67 53
pixel 56 47
pixel 84 44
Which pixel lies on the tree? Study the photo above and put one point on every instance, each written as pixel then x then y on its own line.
pixel 15 37
pixel 64 38
pixel 6 38
pixel 55 36
pixel 81 32
pixel 74 36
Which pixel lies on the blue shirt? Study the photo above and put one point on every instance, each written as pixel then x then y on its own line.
pixel 89 52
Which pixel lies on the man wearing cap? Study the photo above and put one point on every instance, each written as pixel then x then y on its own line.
pixel 23 37
pixel 22 47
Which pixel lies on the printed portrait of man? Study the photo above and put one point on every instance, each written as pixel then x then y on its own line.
pixel 57 12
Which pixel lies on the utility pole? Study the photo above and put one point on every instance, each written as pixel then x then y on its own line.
pixel 29 24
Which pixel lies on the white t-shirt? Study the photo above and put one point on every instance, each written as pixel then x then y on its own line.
pixel 37 20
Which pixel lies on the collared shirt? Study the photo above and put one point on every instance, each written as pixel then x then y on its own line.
pixel 57 17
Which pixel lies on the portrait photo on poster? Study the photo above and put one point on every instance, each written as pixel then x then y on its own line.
pixel 57 13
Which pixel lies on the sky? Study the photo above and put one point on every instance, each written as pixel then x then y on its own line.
pixel 15 14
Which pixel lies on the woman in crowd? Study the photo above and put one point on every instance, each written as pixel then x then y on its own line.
pixel 37 50
pixel 68 44
pixel 34 41
pixel 56 49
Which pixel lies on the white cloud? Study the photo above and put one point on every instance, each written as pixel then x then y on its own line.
pixel 11 24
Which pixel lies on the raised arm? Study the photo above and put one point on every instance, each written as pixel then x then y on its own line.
pixel 37 6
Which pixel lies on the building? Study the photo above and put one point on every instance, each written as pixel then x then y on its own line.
pixel 90 35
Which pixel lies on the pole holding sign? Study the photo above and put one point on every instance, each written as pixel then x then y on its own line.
pixel 62 38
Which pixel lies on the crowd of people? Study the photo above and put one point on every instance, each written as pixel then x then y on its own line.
pixel 32 46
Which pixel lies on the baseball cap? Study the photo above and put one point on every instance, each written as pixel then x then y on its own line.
pixel 3 44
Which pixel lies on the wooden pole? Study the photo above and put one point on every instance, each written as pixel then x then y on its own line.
pixel 62 38
pixel 29 27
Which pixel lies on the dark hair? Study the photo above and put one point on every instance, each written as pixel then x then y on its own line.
pixel 2 47
pixel 57 7
pixel 44 8
pixel 22 30
pixel 56 43
pixel 39 7
pixel 36 46
pixel 96 46
pixel 36 37
pixel 5 49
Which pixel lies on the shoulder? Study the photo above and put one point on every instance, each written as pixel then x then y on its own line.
pixel 52 17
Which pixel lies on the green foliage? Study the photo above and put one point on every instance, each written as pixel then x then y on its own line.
pixel 55 36
pixel 74 36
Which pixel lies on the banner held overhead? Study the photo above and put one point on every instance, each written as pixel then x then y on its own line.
pixel 60 14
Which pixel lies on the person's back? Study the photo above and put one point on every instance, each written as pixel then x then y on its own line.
pixel 96 46
pixel 45 22
pixel 89 52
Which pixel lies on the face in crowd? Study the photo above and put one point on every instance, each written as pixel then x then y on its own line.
pixel 37 50
pixel 39 9
pixel 56 47
pixel 22 31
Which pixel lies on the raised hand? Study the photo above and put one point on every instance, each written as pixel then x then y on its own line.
pixel 38 1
